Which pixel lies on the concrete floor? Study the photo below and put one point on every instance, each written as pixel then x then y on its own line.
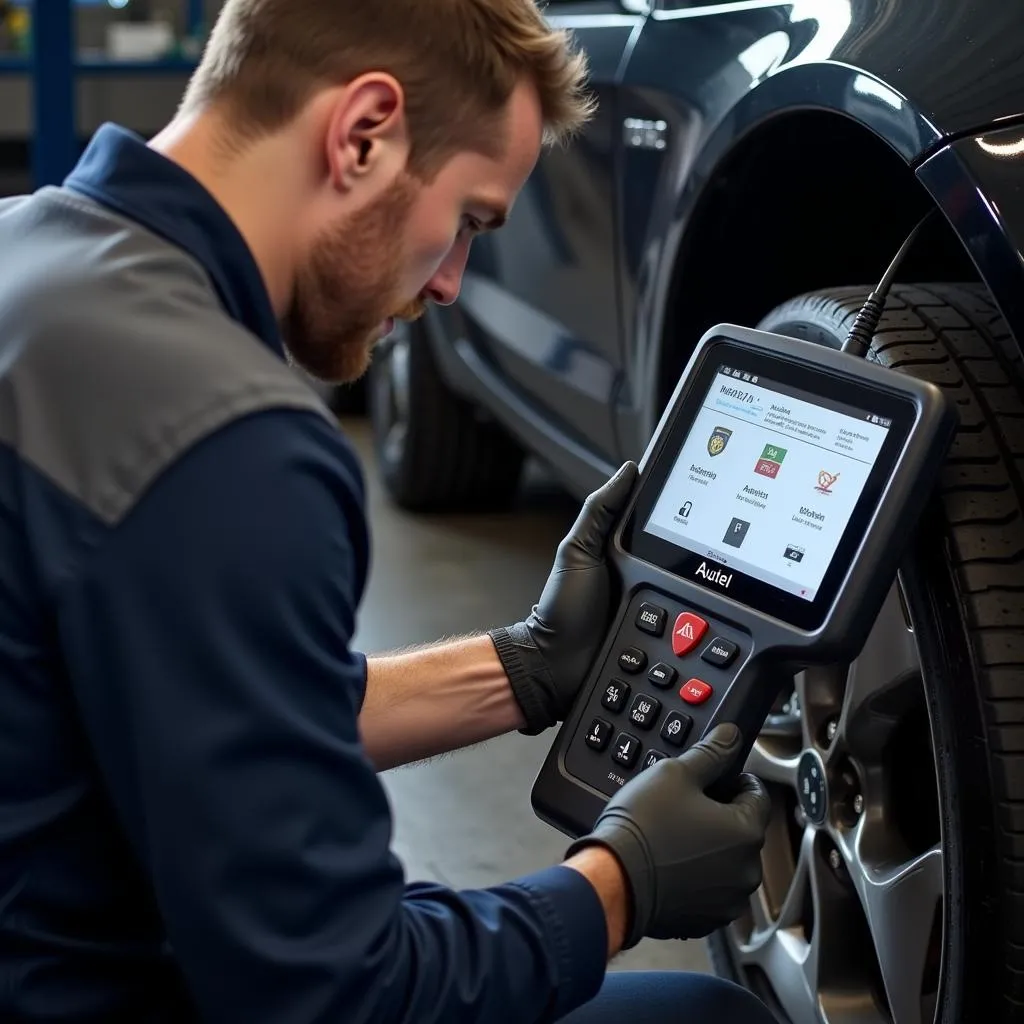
pixel 465 820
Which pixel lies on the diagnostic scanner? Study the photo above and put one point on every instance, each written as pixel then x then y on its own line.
pixel 772 509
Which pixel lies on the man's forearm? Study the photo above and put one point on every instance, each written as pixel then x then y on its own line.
pixel 431 701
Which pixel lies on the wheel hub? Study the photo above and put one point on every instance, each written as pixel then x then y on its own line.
pixel 848 919
pixel 812 787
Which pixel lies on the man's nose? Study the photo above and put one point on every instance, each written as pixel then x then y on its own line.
pixel 444 287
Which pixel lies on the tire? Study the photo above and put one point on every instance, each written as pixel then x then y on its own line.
pixel 349 400
pixel 961 591
pixel 435 452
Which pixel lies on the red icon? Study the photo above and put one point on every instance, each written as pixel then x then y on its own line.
pixel 687 633
pixel 696 691
pixel 768 468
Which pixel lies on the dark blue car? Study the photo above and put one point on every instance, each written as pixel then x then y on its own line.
pixel 761 162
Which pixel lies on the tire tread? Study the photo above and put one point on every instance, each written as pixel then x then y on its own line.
pixel 954 336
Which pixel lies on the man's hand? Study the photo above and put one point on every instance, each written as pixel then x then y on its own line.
pixel 547 657
pixel 691 863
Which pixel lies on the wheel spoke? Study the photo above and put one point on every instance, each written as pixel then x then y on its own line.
pixel 766 764
pixel 877 695
pixel 782 951
pixel 819 690
pixel 899 902
pixel 398 365
pixel 394 441
pixel 792 908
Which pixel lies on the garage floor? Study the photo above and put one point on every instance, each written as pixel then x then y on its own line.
pixel 465 820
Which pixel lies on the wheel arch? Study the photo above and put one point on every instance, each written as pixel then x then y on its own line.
pixel 766 225
pixel 800 171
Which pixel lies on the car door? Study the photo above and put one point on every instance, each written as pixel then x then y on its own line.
pixel 691 63
pixel 539 298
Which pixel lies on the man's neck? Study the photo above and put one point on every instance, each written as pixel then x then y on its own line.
pixel 254 190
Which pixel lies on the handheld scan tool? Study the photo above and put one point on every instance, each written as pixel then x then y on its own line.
pixel 771 512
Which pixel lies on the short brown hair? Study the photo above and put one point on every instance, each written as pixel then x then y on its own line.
pixel 457 61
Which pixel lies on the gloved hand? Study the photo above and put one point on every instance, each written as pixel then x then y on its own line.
pixel 691 862
pixel 547 657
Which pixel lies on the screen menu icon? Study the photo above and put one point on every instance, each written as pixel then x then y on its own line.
pixel 737 533
pixel 718 440
pixel 793 553
pixel 770 461
pixel 826 481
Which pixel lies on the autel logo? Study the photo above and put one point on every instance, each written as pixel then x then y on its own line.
pixel 723 579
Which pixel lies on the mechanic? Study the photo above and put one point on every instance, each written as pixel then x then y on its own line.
pixel 193 824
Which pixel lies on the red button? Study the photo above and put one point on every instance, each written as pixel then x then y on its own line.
pixel 696 691
pixel 687 633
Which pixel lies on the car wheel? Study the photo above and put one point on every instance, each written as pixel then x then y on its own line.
pixel 348 400
pixel 434 451
pixel 892 886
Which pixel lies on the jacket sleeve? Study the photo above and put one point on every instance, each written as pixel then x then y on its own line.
pixel 207 640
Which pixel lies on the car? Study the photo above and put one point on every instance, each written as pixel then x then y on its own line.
pixel 761 163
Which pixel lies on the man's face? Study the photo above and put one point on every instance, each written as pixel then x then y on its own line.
pixel 405 249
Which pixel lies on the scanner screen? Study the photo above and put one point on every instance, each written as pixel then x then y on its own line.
pixel 767 480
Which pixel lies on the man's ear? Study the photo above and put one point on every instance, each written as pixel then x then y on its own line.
pixel 367 136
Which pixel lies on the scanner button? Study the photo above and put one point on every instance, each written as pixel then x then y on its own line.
pixel 644 711
pixel 688 631
pixel 626 749
pixel 696 691
pixel 651 619
pixel 676 728
pixel 720 652
pixel 616 693
pixel 652 758
pixel 663 675
pixel 599 733
pixel 632 660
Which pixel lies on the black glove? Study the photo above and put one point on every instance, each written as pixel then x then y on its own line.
pixel 547 657
pixel 691 862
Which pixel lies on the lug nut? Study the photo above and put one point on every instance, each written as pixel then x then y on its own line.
pixel 835 860
pixel 831 729
pixel 858 804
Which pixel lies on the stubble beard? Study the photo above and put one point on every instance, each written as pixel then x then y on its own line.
pixel 348 287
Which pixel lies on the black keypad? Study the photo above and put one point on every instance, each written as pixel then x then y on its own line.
pixel 599 733
pixel 626 749
pixel 651 619
pixel 632 660
pixel 676 728
pixel 663 675
pixel 644 711
pixel 616 693
pixel 651 759
pixel 720 652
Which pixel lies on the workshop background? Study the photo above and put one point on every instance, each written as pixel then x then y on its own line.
pixel 464 820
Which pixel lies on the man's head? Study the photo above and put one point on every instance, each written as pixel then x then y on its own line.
pixel 410 126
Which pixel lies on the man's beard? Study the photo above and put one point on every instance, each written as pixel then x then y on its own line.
pixel 349 287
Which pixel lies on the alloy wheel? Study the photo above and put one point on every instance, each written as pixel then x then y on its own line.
pixel 391 382
pixel 847 925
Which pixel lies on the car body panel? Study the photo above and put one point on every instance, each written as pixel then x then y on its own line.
pixel 978 182
pixel 926 50
pixel 560 328
pixel 550 323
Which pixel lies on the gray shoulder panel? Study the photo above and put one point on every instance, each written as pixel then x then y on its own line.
pixel 116 356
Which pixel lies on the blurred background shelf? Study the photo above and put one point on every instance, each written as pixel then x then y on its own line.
pixel 67 66
pixel 104 66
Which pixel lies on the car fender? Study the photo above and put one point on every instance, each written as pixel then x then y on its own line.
pixel 957 174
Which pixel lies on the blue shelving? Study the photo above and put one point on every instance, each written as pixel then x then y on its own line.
pixel 55 67
pixel 99 66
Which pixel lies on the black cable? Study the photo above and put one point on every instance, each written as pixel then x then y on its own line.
pixel 858 341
